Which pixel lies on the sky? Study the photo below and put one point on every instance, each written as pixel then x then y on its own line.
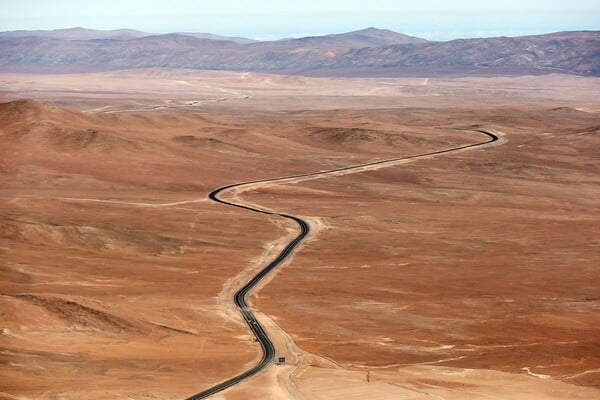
pixel 267 19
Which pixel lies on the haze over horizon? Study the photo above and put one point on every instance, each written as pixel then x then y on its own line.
pixel 268 20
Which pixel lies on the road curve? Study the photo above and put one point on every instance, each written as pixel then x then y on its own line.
pixel 268 350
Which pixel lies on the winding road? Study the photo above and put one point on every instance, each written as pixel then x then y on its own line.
pixel 240 297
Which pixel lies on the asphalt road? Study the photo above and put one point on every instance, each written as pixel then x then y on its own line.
pixel 268 350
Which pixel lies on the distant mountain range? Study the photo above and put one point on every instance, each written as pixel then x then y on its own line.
pixel 367 52
pixel 116 34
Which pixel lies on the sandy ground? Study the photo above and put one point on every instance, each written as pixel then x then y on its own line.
pixel 159 89
pixel 479 295
pixel 472 275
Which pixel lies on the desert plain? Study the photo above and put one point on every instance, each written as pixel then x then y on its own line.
pixel 468 275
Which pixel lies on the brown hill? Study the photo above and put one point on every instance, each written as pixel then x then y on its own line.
pixel 30 123
pixel 370 37
pixel 370 52
pixel 26 111
pixel 566 52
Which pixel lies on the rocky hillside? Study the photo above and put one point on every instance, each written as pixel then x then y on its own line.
pixel 368 52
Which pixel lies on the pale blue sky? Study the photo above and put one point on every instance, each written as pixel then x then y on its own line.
pixel 432 19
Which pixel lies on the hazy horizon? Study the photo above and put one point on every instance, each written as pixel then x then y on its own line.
pixel 308 34
pixel 267 20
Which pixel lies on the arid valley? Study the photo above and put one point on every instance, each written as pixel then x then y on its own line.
pixel 471 274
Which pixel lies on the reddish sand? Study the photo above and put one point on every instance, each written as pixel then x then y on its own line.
pixel 468 275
